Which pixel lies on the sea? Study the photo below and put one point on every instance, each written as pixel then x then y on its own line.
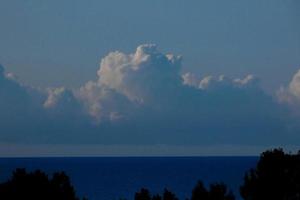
pixel 112 178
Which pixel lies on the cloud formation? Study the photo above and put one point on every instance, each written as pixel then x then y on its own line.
pixel 291 94
pixel 141 98
pixel 294 86
pixel 138 76
pixel 210 82
pixel 18 108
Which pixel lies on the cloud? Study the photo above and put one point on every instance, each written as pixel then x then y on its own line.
pixel 210 82
pixel 32 115
pixel 138 76
pixel 103 103
pixel 166 107
pixel 13 96
pixel 142 99
pixel 291 94
pixel 19 109
pixel 126 82
pixel 56 94
pixel 294 86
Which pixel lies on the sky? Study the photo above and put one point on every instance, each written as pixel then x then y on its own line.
pixel 157 77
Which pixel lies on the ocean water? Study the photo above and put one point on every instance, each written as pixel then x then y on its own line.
pixel 110 178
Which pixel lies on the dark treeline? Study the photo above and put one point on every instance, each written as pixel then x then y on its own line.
pixel 275 177
pixel 216 191
pixel 37 185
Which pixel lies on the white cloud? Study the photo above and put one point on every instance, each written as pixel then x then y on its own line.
pixel 125 80
pixel 291 94
pixel 146 91
pixel 294 86
pixel 11 76
pixel 190 79
pixel 211 82
pixel 54 95
pixel 101 102
pixel 249 80
pixel 141 98
pixel 138 75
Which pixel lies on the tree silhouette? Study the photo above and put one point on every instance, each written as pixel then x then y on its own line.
pixel 168 195
pixel 199 192
pixel 217 191
pixel 156 197
pixel 276 177
pixel 143 194
pixel 36 186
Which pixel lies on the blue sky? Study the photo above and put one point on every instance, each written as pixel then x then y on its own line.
pixel 71 90
pixel 67 39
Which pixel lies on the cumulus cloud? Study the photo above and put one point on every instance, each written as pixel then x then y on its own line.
pixel 210 82
pixel 289 97
pixel 126 82
pixel 166 107
pixel 139 75
pixel 31 115
pixel 294 86
pixel 103 103
pixel 190 79
pixel 54 95
pixel 141 98
pixel 291 94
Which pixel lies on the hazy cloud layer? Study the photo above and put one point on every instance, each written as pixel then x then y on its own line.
pixel 141 98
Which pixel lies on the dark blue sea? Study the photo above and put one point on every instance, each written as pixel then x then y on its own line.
pixel 111 178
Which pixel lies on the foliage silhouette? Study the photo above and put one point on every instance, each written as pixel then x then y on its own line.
pixel 199 192
pixel 276 177
pixel 168 195
pixel 144 194
pixel 156 197
pixel 36 186
pixel 217 191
